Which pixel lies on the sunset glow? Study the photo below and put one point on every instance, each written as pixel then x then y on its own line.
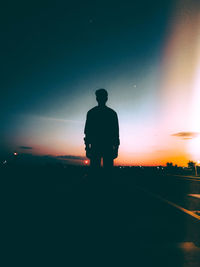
pixel 156 95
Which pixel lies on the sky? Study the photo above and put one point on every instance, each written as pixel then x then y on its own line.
pixel 146 54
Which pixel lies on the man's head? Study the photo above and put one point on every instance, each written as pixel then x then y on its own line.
pixel 101 96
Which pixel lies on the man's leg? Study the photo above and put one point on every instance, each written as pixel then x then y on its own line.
pixel 108 168
pixel 95 163
pixel 107 162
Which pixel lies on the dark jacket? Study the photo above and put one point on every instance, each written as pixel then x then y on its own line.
pixel 101 127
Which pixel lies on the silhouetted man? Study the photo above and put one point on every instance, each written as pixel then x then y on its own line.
pixel 101 133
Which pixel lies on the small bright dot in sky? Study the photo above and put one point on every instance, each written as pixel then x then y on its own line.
pixel 15 153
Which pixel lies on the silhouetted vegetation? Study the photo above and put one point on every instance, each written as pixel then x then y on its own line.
pixel 191 165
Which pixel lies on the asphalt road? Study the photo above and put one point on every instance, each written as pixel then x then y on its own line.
pixel 75 219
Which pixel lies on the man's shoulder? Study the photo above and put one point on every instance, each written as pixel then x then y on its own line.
pixel 111 110
pixel 92 110
pixel 96 109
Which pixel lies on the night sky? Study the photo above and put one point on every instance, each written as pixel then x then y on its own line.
pixel 54 55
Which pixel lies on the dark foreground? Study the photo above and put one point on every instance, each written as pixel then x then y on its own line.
pixel 59 217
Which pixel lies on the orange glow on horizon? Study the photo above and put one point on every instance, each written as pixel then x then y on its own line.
pixel 146 138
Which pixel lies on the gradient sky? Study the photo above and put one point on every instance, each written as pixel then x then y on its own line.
pixel 55 54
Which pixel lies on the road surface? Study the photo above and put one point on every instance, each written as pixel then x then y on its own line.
pixel 76 219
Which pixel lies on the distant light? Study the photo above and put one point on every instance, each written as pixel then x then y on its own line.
pixel 157 167
pixel 5 161
pixel 86 162
pixel 15 153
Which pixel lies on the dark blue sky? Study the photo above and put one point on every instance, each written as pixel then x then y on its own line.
pixel 49 48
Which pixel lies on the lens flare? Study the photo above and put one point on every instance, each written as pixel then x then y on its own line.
pixel 194 144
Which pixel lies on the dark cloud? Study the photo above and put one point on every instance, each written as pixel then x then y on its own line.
pixel 186 135
pixel 71 157
pixel 26 147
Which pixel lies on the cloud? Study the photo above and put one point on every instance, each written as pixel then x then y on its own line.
pixel 61 120
pixel 56 119
pixel 26 147
pixel 186 135
pixel 71 157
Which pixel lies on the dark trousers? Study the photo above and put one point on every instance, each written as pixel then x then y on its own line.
pixel 95 162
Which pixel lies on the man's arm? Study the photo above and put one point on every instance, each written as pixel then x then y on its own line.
pixel 116 132
pixel 116 140
pixel 87 136
pixel 86 130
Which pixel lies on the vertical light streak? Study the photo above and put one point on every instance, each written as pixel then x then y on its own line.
pixel 194 144
pixel 181 78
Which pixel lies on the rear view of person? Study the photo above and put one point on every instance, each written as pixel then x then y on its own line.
pixel 101 133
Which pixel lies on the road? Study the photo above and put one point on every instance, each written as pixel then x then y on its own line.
pixel 73 219
pixel 140 216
